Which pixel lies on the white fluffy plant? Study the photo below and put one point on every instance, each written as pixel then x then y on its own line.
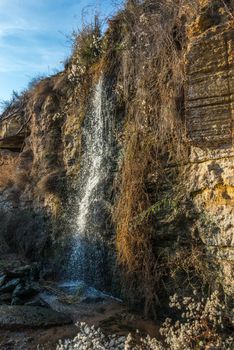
pixel 90 338
pixel 200 328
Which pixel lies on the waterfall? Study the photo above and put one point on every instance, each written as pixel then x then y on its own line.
pixel 95 151
pixel 88 251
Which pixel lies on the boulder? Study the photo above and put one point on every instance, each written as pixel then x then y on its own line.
pixel 18 272
pixel 20 285
pixel 10 286
pixel 25 290
pixel 36 302
pixel 5 298
pixel 29 271
pixel 17 301
pixel 2 280
pixel 19 317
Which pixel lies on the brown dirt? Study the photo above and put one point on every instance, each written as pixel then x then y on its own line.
pixel 111 318
pixel 29 339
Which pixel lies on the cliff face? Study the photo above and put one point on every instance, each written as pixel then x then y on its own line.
pixel 209 104
pixel 183 218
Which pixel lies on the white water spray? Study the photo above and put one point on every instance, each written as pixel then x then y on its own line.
pixel 95 169
pixel 93 158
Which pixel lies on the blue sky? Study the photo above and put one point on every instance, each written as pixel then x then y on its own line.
pixel 33 37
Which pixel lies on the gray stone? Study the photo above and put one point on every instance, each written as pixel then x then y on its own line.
pixel 27 290
pixel 10 286
pixel 23 271
pixel 36 302
pixel 2 280
pixel 20 271
pixel 6 297
pixel 18 317
pixel 17 301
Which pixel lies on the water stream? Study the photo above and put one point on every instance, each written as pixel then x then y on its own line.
pixel 90 213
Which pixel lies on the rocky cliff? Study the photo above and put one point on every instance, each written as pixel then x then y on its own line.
pixel 209 104
pixel 163 203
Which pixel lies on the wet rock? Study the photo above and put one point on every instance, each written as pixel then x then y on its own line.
pixel 20 271
pixel 17 301
pixel 81 289
pixel 26 290
pixel 93 300
pixel 2 280
pixel 10 286
pixel 36 302
pixel 28 271
pixel 19 286
pixel 13 317
pixel 35 272
pixel 6 297
pixel 19 290
pixel 46 274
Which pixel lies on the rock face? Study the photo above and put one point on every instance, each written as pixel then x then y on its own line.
pixel 210 115
pixel 13 124
pixel 20 286
pixel 13 317
pixel 41 167
pixel 210 88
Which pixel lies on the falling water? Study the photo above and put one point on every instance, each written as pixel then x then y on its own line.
pixel 87 259
pixel 95 150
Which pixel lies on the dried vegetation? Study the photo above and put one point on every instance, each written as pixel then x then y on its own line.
pixel 7 172
pixel 152 86
pixel 155 217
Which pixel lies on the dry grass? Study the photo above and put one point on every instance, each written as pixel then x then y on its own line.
pixel 87 43
pixel 7 171
pixel 154 41
pixel 152 85
pixel 189 268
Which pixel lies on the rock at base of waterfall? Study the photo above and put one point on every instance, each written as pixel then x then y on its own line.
pixel 19 317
